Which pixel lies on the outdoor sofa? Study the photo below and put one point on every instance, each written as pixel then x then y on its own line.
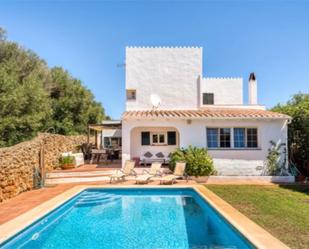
pixel 150 157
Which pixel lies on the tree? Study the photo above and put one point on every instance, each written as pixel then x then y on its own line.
pixel 2 34
pixel 24 104
pixel 298 130
pixel 73 105
pixel 34 98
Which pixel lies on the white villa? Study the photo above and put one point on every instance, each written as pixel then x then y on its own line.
pixel 170 104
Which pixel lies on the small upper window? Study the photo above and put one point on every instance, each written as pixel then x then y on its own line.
pixel 131 94
pixel 208 98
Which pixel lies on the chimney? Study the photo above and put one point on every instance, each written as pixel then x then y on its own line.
pixel 252 89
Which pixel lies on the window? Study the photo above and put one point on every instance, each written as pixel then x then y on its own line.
pixel 239 137
pixel 212 137
pixel 252 138
pixel 158 138
pixel 145 138
pixel 131 94
pixel 208 98
pixel 115 142
pixel 221 137
pixel 107 142
pixel 171 137
pixel 225 137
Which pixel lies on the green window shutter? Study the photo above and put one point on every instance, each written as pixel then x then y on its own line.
pixel 145 138
pixel 171 137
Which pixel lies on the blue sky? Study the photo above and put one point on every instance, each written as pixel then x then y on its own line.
pixel 88 38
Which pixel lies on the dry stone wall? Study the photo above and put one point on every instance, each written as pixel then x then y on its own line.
pixel 19 163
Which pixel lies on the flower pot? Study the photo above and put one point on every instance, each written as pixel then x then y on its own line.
pixel 300 178
pixel 68 166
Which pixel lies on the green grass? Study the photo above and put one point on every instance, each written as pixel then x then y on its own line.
pixel 281 210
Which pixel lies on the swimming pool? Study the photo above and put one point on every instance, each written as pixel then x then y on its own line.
pixel 131 218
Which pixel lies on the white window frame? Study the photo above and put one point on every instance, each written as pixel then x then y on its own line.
pixel 158 134
pixel 232 142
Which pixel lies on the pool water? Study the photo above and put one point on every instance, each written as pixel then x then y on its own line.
pixel 131 218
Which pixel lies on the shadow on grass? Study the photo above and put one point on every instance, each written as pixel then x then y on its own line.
pixel 297 188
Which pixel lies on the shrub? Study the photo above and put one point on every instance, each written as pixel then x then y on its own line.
pixel 67 160
pixel 199 163
pixel 273 158
pixel 298 130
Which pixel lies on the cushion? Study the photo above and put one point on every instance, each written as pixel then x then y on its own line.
pixel 160 155
pixel 66 154
pixel 148 154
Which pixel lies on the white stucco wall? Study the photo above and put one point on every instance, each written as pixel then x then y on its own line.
pixel 171 73
pixel 227 91
pixel 227 161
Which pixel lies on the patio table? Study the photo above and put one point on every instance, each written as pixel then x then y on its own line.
pixel 97 154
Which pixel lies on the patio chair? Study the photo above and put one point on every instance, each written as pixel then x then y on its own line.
pixel 179 172
pixel 155 170
pixel 127 170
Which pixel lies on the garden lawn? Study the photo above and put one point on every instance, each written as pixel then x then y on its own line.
pixel 281 210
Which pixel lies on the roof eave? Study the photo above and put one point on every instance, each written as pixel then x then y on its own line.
pixel 207 118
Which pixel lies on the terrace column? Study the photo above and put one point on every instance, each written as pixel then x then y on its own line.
pixel 126 141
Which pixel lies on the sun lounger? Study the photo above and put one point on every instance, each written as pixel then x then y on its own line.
pixel 179 172
pixel 127 170
pixel 155 170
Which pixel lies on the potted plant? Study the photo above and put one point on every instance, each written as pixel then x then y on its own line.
pixel 67 162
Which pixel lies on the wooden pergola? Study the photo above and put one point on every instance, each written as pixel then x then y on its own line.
pixel 106 125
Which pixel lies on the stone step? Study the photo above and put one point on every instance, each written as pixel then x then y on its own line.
pixel 53 181
pixel 78 174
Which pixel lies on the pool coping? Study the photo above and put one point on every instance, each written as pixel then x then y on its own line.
pixel 259 237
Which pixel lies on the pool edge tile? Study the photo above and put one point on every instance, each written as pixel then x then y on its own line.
pixel 258 236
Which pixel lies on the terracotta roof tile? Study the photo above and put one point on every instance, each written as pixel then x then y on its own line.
pixel 206 113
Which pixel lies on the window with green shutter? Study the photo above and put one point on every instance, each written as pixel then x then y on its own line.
pixel 145 138
pixel 171 137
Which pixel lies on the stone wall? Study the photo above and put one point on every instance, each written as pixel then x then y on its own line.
pixel 19 163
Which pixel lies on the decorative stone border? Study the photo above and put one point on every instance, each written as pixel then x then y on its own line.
pixel 254 233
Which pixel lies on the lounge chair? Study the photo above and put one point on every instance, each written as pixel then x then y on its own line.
pixel 155 170
pixel 179 172
pixel 127 170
